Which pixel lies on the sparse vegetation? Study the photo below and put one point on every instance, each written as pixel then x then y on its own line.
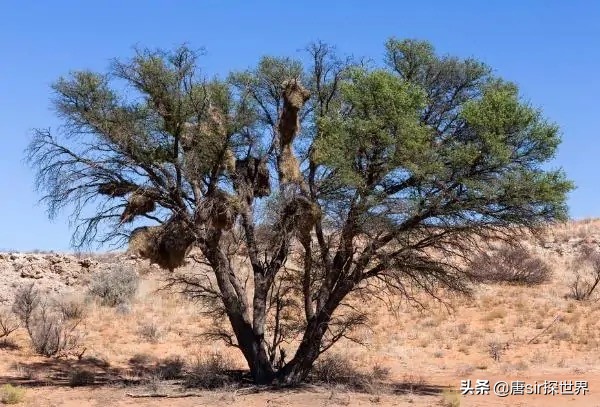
pixel 81 377
pixel 171 368
pixel 150 331
pixel 509 264
pixel 586 274
pixel 450 398
pixel 8 322
pixel 210 371
pixel 114 287
pixel 10 394
pixel 336 370
pixel 497 349
pixel 50 331
pixel 71 308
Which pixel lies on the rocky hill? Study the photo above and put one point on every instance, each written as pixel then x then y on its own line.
pixel 53 272
pixel 57 272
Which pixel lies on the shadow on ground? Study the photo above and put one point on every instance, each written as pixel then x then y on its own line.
pixel 93 372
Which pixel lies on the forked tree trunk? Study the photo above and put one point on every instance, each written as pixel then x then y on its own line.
pixel 233 295
pixel 298 369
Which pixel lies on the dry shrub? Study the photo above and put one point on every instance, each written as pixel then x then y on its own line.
pixel 170 368
pixel 81 377
pixel 10 394
pixel 26 301
pixel 150 331
pixel 71 308
pixel 8 322
pixel 586 274
pixel 50 332
pixel 450 398
pixel 51 335
pixel 497 349
pixel 210 371
pixel 114 287
pixel 142 364
pixel 509 264
pixel 335 369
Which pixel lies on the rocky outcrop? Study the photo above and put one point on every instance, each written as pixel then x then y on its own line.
pixel 52 272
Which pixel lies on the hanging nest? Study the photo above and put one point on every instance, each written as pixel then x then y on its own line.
pixel 229 161
pixel 116 188
pixel 212 128
pixel 289 166
pixel 253 175
pixel 309 213
pixel 294 97
pixel 139 203
pixel 189 135
pixel 303 213
pixel 219 210
pixel 166 245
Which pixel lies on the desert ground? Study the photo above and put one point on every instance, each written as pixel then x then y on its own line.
pixel 503 332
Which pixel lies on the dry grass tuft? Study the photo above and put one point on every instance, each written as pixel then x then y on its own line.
pixel 10 394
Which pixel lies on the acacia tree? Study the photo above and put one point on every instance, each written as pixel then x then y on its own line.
pixel 321 179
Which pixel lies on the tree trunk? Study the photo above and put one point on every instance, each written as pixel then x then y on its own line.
pixel 234 299
pixel 297 370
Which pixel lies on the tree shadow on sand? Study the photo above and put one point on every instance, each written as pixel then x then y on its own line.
pixel 94 372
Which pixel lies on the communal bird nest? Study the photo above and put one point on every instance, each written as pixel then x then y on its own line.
pixel 166 245
pixel 254 177
pixel 304 214
pixel 140 202
pixel 219 210
pixel 294 97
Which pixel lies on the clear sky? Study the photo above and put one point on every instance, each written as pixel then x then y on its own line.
pixel 551 49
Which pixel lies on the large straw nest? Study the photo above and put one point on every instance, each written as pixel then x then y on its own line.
pixel 253 176
pixel 303 214
pixel 166 245
pixel 140 202
pixel 219 210
pixel 294 97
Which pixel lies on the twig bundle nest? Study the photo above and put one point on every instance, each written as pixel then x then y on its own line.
pixel 166 245
pixel 139 203
pixel 116 188
pixel 304 214
pixel 220 210
pixel 205 143
pixel 253 176
pixel 294 97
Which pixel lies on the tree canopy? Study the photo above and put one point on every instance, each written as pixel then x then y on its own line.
pixel 299 181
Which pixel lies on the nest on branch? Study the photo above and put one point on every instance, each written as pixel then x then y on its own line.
pixel 140 202
pixel 166 245
pixel 294 97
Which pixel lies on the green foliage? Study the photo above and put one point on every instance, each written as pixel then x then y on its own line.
pixel 446 139
pixel 379 128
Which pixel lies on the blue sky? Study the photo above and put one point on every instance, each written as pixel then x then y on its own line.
pixel 550 48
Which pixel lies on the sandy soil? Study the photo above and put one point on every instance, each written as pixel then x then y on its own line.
pixel 541 335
